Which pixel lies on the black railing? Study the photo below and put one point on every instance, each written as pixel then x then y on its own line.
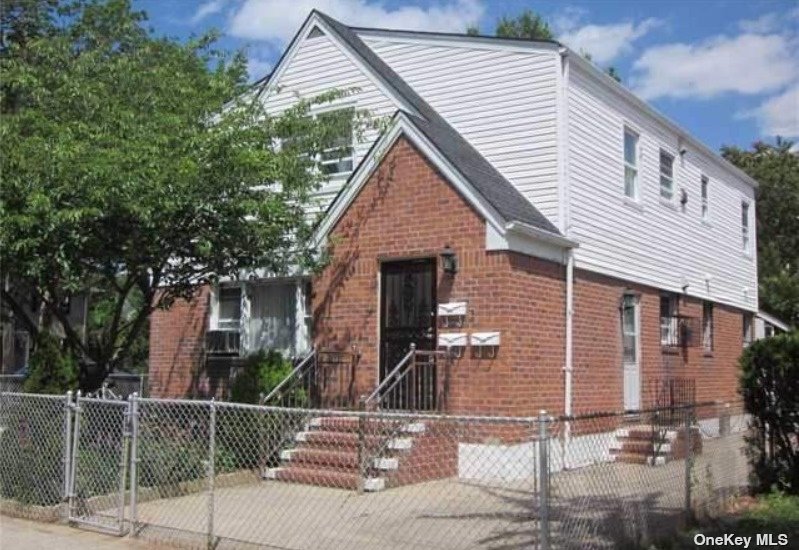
pixel 321 379
pixel 416 383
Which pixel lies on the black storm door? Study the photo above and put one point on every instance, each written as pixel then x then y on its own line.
pixel 407 316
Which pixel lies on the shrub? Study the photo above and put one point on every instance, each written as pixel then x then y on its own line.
pixel 52 370
pixel 261 373
pixel 770 388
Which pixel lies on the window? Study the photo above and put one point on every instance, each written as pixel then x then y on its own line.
pixel 229 308
pixel 630 163
pixel 745 226
pixel 668 321
pixel 273 311
pixel 338 159
pixel 768 330
pixel 666 175
pixel 747 329
pixel 707 326
pixel 705 204
pixel 629 330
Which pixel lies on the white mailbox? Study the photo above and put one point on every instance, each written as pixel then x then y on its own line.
pixel 452 314
pixel 485 344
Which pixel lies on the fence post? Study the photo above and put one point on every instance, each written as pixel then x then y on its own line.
pixel 67 443
pixel 134 461
pixel 543 473
pixel 74 454
pixel 211 473
pixel 361 443
pixel 688 461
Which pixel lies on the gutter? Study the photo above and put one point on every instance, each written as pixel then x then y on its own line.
pixel 540 234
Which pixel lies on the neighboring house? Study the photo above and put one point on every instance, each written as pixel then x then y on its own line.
pixel 573 246
pixel 766 326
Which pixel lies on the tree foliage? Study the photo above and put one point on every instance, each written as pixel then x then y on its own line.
pixel 123 173
pixel 53 370
pixel 770 388
pixel 776 168
pixel 529 25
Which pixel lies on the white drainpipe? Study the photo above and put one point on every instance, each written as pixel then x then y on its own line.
pixel 568 367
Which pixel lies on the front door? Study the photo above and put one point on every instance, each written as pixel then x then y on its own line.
pixel 630 352
pixel 407 316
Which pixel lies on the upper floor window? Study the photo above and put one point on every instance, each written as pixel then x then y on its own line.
pixel 745 226
pixel 630 163
pixel 707 326
pixel 705 204
pixel 338 158
pixel 666 175
pixel 748 329
pixel 229 308
pixel 668 320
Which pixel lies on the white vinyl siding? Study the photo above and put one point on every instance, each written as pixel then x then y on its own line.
pixel 320 66
pixel 503 102
pixel 630 164
pixel 647 242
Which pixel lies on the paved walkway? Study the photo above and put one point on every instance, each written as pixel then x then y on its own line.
pixel 21 534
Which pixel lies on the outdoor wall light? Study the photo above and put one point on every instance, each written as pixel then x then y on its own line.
pixel 449 260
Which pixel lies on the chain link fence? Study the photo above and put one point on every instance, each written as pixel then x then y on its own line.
pixel 204 474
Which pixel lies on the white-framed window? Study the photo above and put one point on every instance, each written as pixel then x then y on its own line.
pixel 745 226
pixel 338 159
pixel 748 329
pixel 630 164
pixel 707 326
pixel 668 320
pixel 705 190
pixel 229 317
pixel 629 329
pixel 666 175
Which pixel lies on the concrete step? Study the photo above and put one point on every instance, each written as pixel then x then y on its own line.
pixel 637 458
pixel 370 426
pixel 641 446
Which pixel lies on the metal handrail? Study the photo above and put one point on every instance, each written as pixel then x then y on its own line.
pixel 295 371
pixel 382 386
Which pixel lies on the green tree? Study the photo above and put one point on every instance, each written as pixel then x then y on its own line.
pixel 776 169
pixel 52 369
pixel 140 167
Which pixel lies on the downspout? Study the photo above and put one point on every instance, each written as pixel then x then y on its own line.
pixel 565 211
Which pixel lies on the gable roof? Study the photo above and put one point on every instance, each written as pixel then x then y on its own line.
pixel 487 181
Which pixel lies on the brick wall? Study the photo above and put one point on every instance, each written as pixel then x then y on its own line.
pixel 177 347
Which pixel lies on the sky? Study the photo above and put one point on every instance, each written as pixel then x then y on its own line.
pixel 725 70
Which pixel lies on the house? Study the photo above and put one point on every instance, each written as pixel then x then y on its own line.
pixel 567 246
pixel 766 325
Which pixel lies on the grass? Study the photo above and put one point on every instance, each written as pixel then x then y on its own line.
pixel 774 513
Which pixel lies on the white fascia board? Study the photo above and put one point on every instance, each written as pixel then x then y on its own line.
pixel 457 41
pixel 773 320
pixel 626 95
pixel 315 21
pixel 403 126
pixel 528 244
pixel 540 234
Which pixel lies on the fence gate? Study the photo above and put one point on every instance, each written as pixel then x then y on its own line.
pixel 100 449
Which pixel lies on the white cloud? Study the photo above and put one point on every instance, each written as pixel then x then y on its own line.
pixel 778 115
pixel 745 64
pixel 606 42
pixel 762 25
pixel 278 20
pixel 207 9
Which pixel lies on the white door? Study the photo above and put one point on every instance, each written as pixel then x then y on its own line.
pixel 630 352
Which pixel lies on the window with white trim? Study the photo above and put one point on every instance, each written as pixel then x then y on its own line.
pixel 338 158
pixel 630 164
pixel 666 175
pixel 745 226
pixel 748 329
pixel 707 326
pixel 229 317
pixel 629 329
pixel 705 183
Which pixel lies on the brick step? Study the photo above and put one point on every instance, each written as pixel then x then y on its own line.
pixel 350 440
pixel 380 427
pixel 645 433
pixel 641 446
pixel 323 478
pixel 638 458
pixel 323 457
